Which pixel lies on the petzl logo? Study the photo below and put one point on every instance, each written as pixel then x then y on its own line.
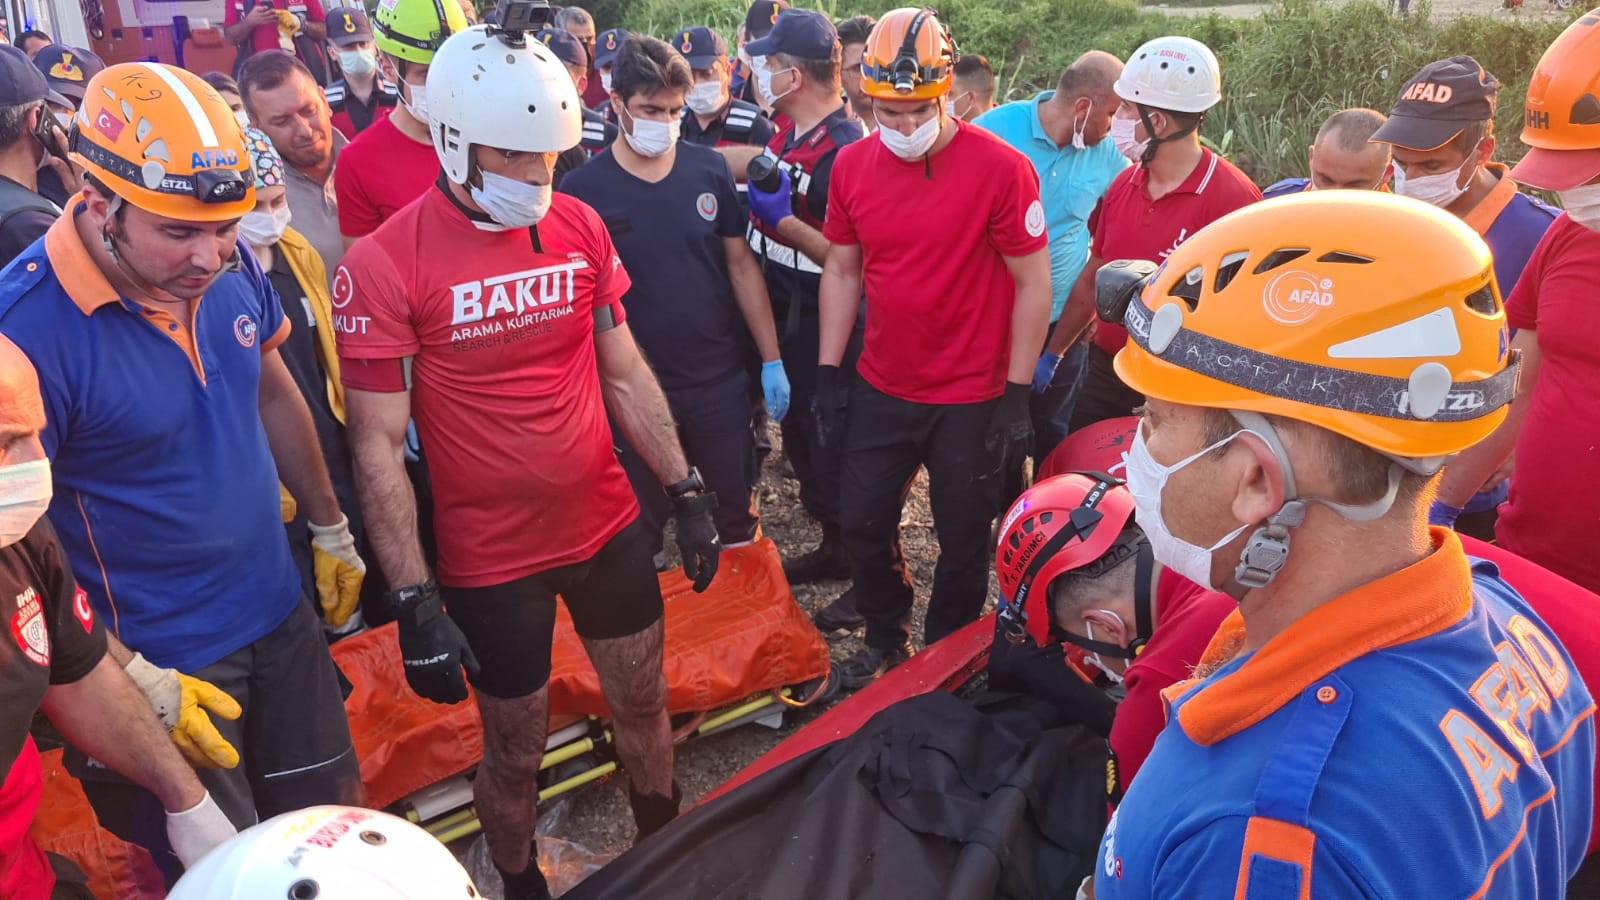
pixel 1293 297
pixel 244 331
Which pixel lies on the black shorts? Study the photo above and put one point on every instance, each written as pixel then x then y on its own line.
pixel 510 626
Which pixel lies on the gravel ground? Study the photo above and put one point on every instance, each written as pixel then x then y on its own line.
pixel 598 817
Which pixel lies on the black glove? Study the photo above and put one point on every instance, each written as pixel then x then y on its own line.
pixel 697 537
pixel 1010 434
pixel 828 403
pixel 433 649
pixel 1026 668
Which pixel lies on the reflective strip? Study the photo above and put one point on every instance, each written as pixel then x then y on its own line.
pixel 191 105
pixel 782 254
pixel 1301 382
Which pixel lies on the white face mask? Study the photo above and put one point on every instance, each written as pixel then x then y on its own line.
pixel 705 98
pixel 1077 129
pixel 1146 479
pixel 1094 659
pixel 510 203
pixel 915 145
pixel 952 106
pixel 605 79
pixel 242 117
pixel 263 229
pixel 1440 190
pixel 24 497
pixel 649 137
pixel 417 106
pixel 764 78
pixel 1122 137
pixel 357 62
pixel 1582 204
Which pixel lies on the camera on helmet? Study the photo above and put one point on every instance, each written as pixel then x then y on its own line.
pixel 513 20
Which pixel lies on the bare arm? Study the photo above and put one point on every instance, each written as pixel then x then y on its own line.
pixel 750 292
pixel 1079 309
pixel 1468 473
pixel 838 301
pixel 377 435
pixel 804 238
pixel 104 715
pixel 293 438
pixel 1030 312
pixel 739 158
pixel 317 31
pixel 637 405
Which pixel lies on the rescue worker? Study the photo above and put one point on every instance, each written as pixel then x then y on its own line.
pixel 520 345
pixel 173 420
pixel 392 163
pixel 759 20
pixel 1343 156
pixel 799 79
pixel 712 117
pixel 360 96
pixel 607 45
pixel 852 42
pixel 56 661
pixel 670 206
pixel 66 70
pixel 1175 188
pixel 942 385
pixel 576 21
pixel 293 26
pixel 329 851
pixel 972 93
pixel 598 133
pixel 1362 634
pixel 26 125
pixel 1551 512
pixel 1062 132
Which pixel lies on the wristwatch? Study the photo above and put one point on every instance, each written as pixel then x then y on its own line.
pixel 693 484
pixel 405 599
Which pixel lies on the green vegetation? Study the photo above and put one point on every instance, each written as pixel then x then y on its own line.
pixel 1282 73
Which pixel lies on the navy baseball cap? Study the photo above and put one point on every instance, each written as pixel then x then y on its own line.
pixel 701 46
pixel 800 33
pixel 20 81
pixel 761 18
pixel 564 46
pixel 67 70
pixel 348 25
pixel 606 46
pixel 1439 103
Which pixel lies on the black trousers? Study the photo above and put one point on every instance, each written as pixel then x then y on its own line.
pixel 1104 396
pixel 816 466
pixel 885 442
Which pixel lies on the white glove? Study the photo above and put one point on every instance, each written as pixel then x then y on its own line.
pixel 198 830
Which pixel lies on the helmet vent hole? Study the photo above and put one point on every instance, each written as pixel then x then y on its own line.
pixel 304 889
pixel 1028 526
pixel 510 60
pixel 1586 111
pixel 373 838
pixel 1015 541
pixel 1163 65
pixel 1045 517
pixel 1188 287
pixel 1481 301
pixel 1230 266
pixel 1280 257
pixel 1340 256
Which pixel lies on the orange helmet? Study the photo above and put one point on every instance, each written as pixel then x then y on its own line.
pixel 1373 316
pixel 1562 126
pixel 909 56
pixel 164 141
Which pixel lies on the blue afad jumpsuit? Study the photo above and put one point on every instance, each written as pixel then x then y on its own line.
pixel 1421 737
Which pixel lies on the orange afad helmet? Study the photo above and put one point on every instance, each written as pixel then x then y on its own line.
pixel 1373 316
pixel 1563 106
pixel 909 56
pixel 162 140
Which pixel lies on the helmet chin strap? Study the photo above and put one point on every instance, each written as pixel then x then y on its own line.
pixel 1143 613
pixel 1267 551
pixel 139 281
pixel 1156 142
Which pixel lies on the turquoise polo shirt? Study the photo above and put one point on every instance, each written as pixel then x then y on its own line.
pixel 166 494
pixel 1071 183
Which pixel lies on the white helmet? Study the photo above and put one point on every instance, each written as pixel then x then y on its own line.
pixel 483 90
pixel 1173 73
pixel 328 853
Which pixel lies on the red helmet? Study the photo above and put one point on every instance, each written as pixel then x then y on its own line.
pixel 1097 448
pixel 1059 525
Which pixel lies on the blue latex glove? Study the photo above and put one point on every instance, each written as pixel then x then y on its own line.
pixel 1045 371
pixel 774 207
pixel 1441 513
pixel 775 387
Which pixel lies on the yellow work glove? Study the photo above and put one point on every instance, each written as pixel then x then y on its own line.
pixel 185 705
pixel 339 570
pixel 288 22
pixel 287 508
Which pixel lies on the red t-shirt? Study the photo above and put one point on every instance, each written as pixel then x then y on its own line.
pixel 1553 511
pixel 1187 615
pixel 939 296
pixel 379 172
pixel 24 870
pixel 265 37
pixel 1129 225
pixel 1567 608
pixel 505 387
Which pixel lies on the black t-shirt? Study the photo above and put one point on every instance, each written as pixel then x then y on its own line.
pixel 52 635
pixel 24 217
pixel 739 124
pixel 670 237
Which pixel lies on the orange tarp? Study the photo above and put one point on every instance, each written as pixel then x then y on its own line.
pixel 66 825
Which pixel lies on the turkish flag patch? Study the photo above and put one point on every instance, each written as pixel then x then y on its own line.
pixel 108 125
pixel 28 628
pixel 82 610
